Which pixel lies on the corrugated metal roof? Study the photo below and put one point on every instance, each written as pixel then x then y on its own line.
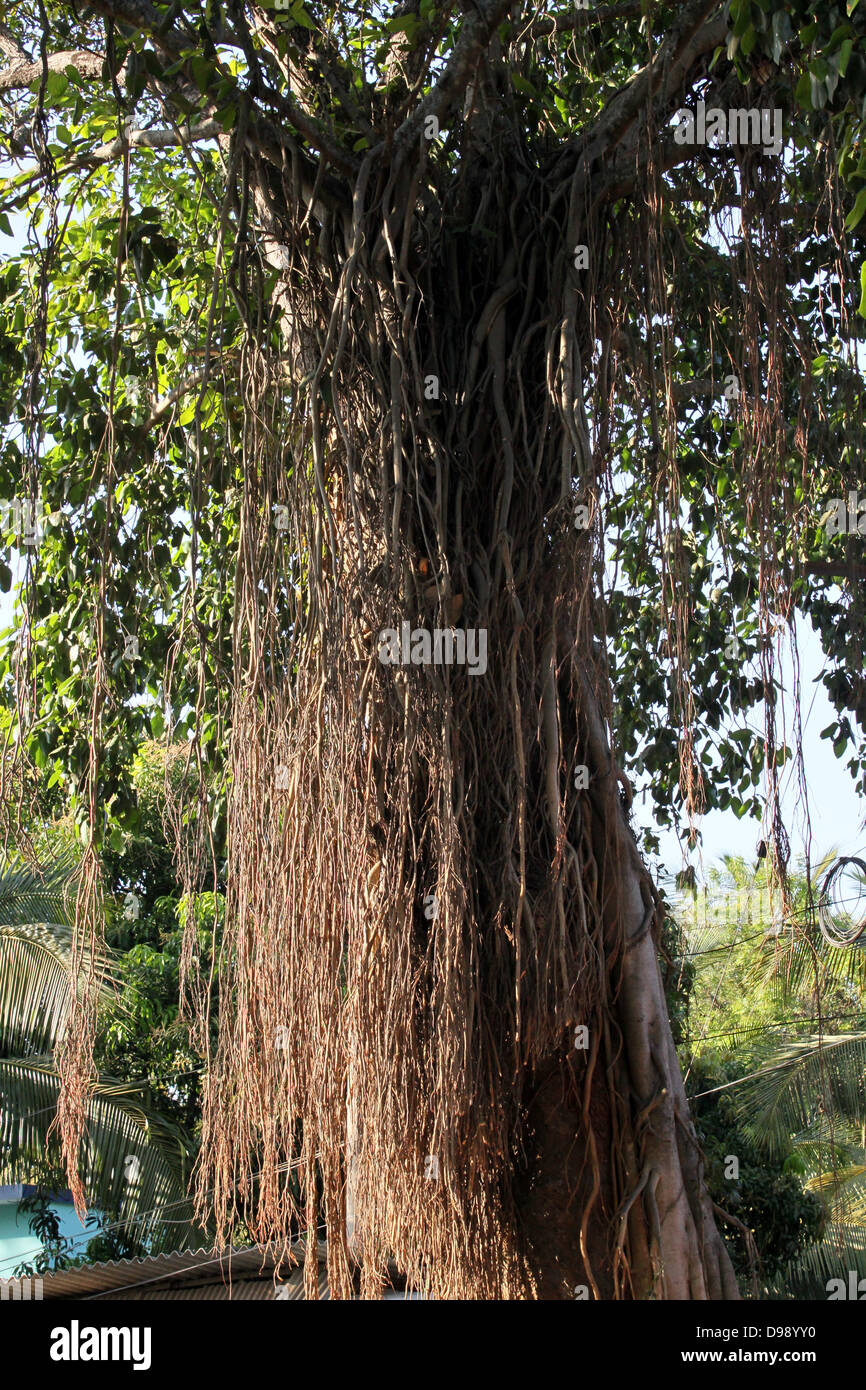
pixel 184 1275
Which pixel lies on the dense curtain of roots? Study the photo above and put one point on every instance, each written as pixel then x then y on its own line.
pixel 422 909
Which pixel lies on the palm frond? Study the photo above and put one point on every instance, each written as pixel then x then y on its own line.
pixel 35 990
pixel 134 1163
pixel 841 1252
pixel 787 1094
pixel 843 1191
pixel 817 1147
pixel 30 894
pixel 806 961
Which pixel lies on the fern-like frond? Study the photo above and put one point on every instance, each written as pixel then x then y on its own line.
pixel 841 1252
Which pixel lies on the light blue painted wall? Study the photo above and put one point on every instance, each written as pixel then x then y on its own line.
pixel 17 1242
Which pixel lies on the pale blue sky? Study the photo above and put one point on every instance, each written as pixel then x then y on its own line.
pixel 836 812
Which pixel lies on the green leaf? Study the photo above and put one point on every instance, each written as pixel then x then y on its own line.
pixel 521 84
pixel 56 85
pixel 861 307
pixel 857 211
pixel 300 16
pixel 403 24
pixel 845 52
pixel 803 91
pixel 203 72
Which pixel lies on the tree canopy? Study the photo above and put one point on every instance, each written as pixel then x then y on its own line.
pixel 315 317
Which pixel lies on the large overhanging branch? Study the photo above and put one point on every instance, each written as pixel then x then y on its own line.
pixel 86 62
pixel 633 154
pixel 149 140
pixel 261 133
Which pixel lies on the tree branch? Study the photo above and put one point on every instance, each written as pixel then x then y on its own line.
pixel 702 28
pixel 837 570
pixel 164 404
pixel 151 140
pixel 11 47
pixel 457 73
pixel 84 60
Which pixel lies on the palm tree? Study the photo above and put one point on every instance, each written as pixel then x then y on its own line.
pixel 133 1163
pixel 805 1097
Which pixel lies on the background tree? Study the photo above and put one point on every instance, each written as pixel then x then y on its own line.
pixel 132 1160
pixel 421 314
pixel 773 1051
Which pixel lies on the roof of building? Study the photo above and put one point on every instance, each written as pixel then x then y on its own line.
pixel 185 1274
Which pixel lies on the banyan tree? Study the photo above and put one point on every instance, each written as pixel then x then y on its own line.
pixel 428 414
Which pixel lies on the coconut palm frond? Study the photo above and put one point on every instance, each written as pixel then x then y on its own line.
pixel 806 962
pixel 803 1079
pixel 35 992
pixel 28 894
pixel 841 1254
pixel 817 1149
pixel 134 1163
pixel 854 1209
pixel 731 1039
pixel 843 1192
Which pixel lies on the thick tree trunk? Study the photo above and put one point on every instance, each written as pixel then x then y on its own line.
pixel 573 1219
